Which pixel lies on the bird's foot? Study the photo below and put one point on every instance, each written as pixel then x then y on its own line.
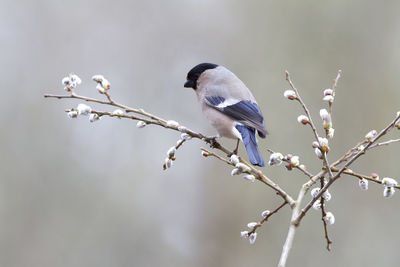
pixel 213 141
pixel 235 151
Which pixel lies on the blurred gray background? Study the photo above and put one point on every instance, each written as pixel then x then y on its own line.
pixel 79 194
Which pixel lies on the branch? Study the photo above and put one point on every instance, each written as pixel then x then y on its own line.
pixel 335 81
pixel 257 175
pixel 311 123
pixel 328 241
pixel 260 223
pixel 356 156
pixel 361 176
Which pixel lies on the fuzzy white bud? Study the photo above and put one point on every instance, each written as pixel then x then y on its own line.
pixel 75 78
pixel 98 78
pixel 252 238
pixel 65 81
pixel 294 161
pixel 290 94
pixel 171 151
pixel 118 112
pixel 71 82
pixel 100 89
pixel 73 114
pixel 328 92
pixel 315 144
pixel 317 205
pixel 249 177
pixel 244 234
pixel 168 163
pixel 235 171
pixel 94 117
pixel 371 135
pixel 329 218
pixel 303 119
pixel 105 84
pixel 324 144
pixel 388 192
pixel 389 182
pixel 83 109
pixel 318 153
pixel 331 133
pixel 324 114
pixel 265 213
pixel 242 167
pixel 234 159
pixel 361 148
pixel 275 159
pixel 326 195
pixel 328 98
pixel 140 124
pixel 363 183
pixel 326 119
pixel 204 154
pixel 315 191
pixel 182 129
pixel 172 123
pixel 185 136
pixel 251 225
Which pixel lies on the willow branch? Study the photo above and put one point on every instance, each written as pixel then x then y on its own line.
pixel 335 81
pixel 348 163
pixel 260 223
pixel 361 176
pixel 323 213
pixel 258 175
pixel 311 123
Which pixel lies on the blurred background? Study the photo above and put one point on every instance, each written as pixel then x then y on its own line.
pixel 74 193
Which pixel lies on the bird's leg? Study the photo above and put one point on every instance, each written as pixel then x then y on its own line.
pixel 237 147
pixel 235 151
pixel 213 141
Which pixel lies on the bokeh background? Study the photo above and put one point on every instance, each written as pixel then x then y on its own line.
pixel 74 193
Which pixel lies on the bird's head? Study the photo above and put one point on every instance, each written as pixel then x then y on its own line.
pixel 194 74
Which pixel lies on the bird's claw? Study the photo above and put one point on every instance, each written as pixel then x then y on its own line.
pixel 213 142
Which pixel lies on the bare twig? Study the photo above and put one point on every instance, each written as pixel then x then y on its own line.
pixel 385 143
pixel 328 241
pixel 335 81
pixel 311 123
pixel 258 175
pixel 303 170
pixel 260 223
pixel 361 176
pixel 348 163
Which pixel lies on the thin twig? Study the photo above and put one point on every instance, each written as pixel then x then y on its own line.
pixel 258 175
pixel 260 223
pixel 348 163
pixel 328 241
pixel 311 123
pixel 385 143
pixel 361 176
pixel 303 170
pixel 209 153
pixel 335 81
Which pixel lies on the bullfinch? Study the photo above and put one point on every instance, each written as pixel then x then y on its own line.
pixel 229 106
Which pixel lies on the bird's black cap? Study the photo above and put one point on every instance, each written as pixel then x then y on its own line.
pixel 195 72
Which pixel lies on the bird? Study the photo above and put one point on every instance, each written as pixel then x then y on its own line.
pixel 229 106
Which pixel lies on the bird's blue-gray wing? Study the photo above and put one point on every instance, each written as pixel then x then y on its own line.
pixel 245 112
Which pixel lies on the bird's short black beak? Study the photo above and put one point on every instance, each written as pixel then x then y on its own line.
pixel 189 84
